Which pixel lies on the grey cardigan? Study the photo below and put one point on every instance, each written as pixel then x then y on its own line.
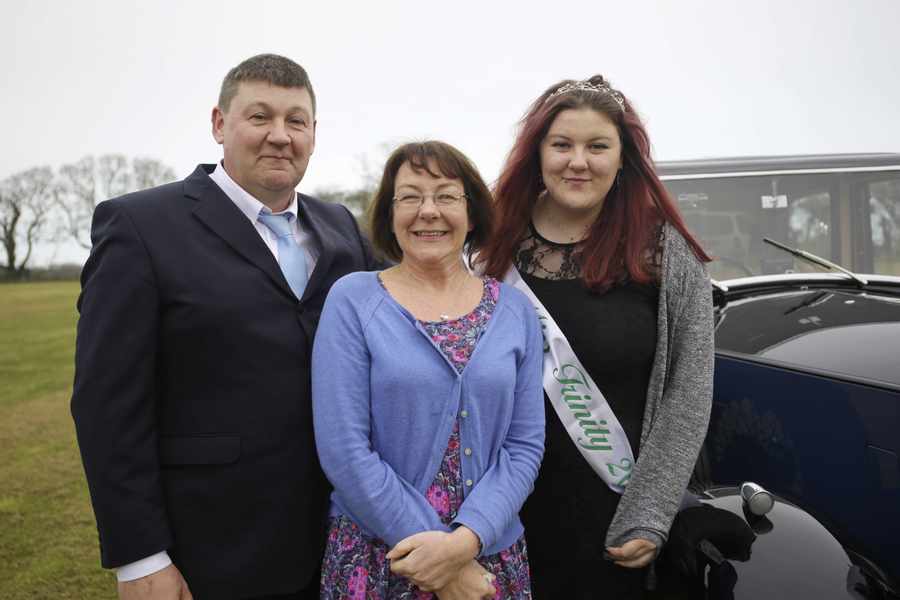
pixel 679 396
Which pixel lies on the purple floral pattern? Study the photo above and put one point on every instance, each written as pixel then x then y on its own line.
pixel 354 567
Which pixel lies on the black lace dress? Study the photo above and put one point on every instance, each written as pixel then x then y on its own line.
pixel 614 336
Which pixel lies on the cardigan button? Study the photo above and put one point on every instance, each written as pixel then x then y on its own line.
pixel 468 482
pixel 468 451
pixel 464 413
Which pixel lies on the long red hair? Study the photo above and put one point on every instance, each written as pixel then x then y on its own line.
pixel 619 242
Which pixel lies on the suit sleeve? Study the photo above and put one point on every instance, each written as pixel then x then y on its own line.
pixel 113 401
pixel 375 495
pixel 372 261
pixel 499 495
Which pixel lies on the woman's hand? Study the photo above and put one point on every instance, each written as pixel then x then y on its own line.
pixel 432 558
pixel 633 554
pixel 472 583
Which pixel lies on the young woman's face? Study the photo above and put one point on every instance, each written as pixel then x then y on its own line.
pixel 580 156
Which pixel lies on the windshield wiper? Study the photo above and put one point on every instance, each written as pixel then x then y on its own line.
pixel 862 281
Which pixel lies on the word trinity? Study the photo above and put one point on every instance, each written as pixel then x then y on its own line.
pixel 575 394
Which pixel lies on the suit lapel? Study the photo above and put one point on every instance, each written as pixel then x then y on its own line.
pixel 324 235
pixel 218 213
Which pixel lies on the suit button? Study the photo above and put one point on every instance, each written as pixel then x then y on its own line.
pixel 468 451
pixel 468 482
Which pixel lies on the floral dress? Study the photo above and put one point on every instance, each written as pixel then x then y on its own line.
pixel 354 566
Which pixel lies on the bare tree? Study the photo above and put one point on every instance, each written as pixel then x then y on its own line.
pixel 86 183
pixel 149 172
pixel 357 201
pixel 370 167
pixel 26 205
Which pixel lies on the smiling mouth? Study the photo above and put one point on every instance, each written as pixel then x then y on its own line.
pixel 429 235
pixel 573 180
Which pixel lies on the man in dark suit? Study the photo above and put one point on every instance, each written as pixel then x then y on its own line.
pixel 198 308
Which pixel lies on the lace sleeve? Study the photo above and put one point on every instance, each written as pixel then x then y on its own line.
pixel 654 254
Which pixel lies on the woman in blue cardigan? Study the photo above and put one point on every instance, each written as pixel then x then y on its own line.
pixel 427 399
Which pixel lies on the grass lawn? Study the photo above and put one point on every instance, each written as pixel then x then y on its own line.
pixel 48 540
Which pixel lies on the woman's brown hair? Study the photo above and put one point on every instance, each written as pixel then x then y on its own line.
pixel 449 162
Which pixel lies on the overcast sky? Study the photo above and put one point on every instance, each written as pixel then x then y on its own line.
pixel 710 78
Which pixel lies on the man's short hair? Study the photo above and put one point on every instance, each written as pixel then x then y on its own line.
pixel 270 68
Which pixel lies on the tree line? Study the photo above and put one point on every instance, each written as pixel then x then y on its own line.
pixel 41 205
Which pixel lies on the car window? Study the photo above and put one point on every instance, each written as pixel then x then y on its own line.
pixel 852 219
pixel 884 221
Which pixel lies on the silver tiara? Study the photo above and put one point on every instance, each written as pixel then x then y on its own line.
pixel 587 86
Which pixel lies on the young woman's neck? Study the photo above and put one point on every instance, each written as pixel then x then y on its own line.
pixel 559 224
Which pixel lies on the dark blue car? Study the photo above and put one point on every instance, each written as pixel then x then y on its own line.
pixel 807 404
pixel 807 382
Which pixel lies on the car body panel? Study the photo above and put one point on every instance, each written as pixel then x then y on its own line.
pixel 787 553
pixel 807 401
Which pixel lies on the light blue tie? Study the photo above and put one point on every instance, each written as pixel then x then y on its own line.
pixel 291 257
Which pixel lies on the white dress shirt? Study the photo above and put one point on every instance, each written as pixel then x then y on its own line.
pixel 250 207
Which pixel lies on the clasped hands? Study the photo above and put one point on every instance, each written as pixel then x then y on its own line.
pixel 443 563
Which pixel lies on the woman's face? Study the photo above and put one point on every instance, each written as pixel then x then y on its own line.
pixel 580 156
pixel 434 231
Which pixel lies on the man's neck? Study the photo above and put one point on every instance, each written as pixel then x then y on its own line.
pixel 275 204
pixel 274 201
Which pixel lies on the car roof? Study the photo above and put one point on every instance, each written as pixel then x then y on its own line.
pixel 745 165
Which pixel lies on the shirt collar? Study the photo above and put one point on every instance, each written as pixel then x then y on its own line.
pixel 250 206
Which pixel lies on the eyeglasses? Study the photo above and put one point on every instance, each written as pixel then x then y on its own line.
pixel 414 200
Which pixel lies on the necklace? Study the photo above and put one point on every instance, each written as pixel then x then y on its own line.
pixel 462 277
pixel 456 293
pixel 559 224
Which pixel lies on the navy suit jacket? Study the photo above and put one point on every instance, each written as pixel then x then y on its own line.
pixel 192 391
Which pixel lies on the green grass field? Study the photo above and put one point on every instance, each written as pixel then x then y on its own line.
pixel 48 540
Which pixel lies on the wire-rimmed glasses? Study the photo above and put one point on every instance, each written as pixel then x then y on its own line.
pixel 414 200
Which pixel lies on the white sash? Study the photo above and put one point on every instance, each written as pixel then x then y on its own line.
pixel 584 412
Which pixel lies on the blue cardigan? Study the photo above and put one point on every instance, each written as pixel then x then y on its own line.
pixel 385 399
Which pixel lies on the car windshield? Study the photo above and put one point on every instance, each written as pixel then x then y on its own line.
pixel 850 218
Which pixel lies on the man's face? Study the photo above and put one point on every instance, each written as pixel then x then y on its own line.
pixel 268 134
